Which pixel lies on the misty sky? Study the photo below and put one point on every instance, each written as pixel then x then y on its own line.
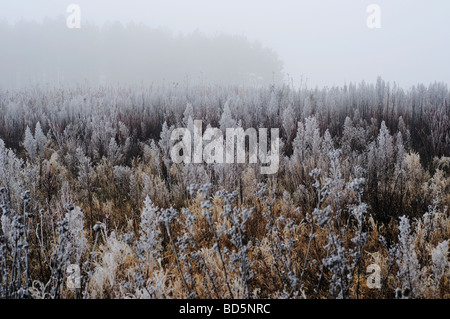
pixel 325 41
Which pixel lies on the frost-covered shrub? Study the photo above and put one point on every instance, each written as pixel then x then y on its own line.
pixel 409 273
pixel 114 271
pixel 77 243
pixel 149 229
pixel 439 256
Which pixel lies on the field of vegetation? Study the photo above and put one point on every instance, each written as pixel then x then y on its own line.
pixel 363 188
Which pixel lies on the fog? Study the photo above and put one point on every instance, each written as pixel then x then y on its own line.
pixel 252 42
pixel 49 53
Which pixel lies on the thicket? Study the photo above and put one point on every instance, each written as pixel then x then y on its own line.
pixel 86 179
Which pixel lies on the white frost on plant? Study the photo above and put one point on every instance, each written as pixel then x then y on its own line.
pixel 409 268
pixel 439 256
pixel 149 232
pixel 77 241
pixel 30 143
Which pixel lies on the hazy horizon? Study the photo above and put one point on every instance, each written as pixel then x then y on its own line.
pixel 322 43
